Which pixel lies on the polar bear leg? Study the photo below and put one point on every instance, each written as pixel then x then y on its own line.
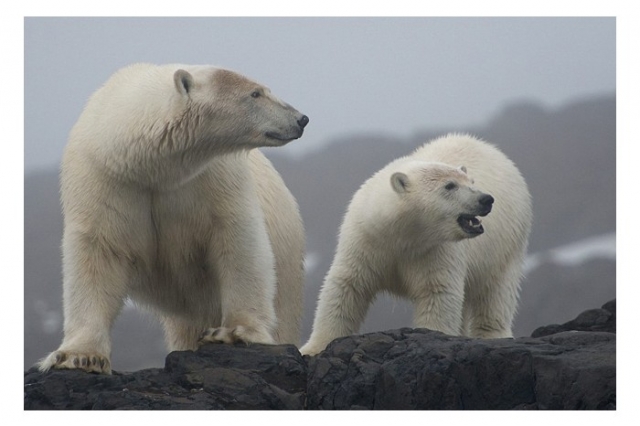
pixel 439 311
pixel 287 237
pixel 94 293
pixel 250 312
pixel 466 319
pixel 438 298
pixel 228 335
pixel 244 257
pixel 342 306
pixel 493 302
pixel 180 334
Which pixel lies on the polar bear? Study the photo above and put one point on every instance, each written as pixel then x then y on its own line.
pixel 167 202
pixel 413 230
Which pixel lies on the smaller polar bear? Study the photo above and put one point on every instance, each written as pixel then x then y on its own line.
pixel 412 230
pixel 167 202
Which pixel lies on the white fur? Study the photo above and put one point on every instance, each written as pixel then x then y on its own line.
pixel 400 235
pixel 165 202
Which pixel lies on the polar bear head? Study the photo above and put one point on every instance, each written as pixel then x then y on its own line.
pixel 439 201
pixel 233 111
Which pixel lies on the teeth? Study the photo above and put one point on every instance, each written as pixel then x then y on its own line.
pixel 474 222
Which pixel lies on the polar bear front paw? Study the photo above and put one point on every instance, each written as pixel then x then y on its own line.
pixel 311 349
pixel 89 362
pixel 233 335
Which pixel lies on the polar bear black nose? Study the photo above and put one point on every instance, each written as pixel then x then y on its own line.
pixel 303 121
pixel 486 200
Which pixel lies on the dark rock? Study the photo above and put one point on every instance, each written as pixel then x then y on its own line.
pixel 214 377
pixel 603 319
pixel 570 366
pixel 421 369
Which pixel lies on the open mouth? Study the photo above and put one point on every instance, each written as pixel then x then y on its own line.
pixel 470 224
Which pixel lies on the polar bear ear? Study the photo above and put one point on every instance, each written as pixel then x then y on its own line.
pixel 183 81
pixel 463 169
pixel 400 182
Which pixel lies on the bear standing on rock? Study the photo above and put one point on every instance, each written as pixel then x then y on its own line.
pixel 167 202
pixel 413 230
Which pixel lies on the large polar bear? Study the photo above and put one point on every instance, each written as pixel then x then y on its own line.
pixel 167 202
pixel 412 230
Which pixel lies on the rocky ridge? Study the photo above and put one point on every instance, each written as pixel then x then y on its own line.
pixel 567 366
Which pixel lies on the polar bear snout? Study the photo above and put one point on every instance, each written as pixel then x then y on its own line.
pixel 303 121
pixel 486 203
pixel 469 223
pixel 294 130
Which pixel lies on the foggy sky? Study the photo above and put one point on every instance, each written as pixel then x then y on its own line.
pixel 394 76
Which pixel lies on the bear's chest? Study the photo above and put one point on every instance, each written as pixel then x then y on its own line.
pixel 182 223
pixel 191 226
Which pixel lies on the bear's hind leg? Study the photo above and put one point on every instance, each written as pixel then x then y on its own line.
pixel 232 335
pixel 492 304
pixel 180 334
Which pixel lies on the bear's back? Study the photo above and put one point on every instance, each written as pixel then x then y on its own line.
pixel 491 170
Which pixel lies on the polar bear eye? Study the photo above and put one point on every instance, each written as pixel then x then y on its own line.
pixel 255 94
pixel 450 186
